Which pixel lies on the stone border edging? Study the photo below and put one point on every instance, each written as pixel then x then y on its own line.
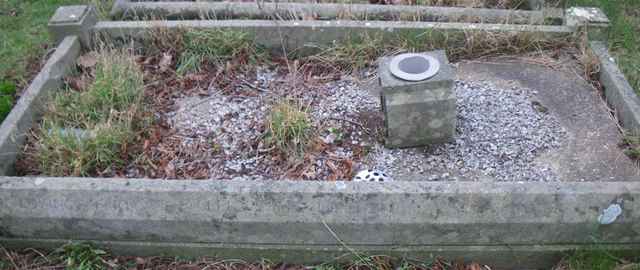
pixel 299 35
pixel 324 11
pixel 26 110
pixel 275 217
pixel 617 90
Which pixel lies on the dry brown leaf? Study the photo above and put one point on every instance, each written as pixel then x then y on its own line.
pixel 474 266
pixel 629 266
pixel 79 83
pixel 165 62
pixel 88 60
pixel 170 171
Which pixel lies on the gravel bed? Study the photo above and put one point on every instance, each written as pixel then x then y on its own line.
pixel 500 132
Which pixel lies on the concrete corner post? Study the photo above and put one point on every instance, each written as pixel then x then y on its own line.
pixel 418 113
pixel 73 21
pixel 593 20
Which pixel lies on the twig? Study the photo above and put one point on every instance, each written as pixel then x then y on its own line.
pixel 355 124
pixel 10 258
pixel 335 236
pixel 255 87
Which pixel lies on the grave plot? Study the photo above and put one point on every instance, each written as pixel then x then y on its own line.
pixel 519 162
pixel 213 105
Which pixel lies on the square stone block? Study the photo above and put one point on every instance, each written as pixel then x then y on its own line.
pixel 75 20
pixel 418 113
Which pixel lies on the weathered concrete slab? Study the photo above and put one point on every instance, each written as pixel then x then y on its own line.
pixel 403 217
pixel 590 152
pixel 617 90
pixel 29 107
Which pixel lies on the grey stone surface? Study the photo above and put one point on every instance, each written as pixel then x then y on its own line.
pixel 29 106
pixel 73 21
pixel 545 4
pixel 69 14
pixel 418 113
pixel 617 90
pixel 590 150
pixel 401 217
pixel 324 11
pixel 589 19
pixel 309 34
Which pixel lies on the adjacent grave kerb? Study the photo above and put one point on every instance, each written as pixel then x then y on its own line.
pixel 75 20
pixel 590 20
pixel 418 113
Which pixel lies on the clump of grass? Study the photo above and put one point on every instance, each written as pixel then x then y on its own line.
pixel 631 145
pixel 217 46
pixel 87 132
pixel 7 93
pixel 354 53
pixel 288 128
pixel 82 256
pixel 593 259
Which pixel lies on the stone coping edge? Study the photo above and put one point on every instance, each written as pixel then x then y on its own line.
pixel 617 90
pixel 21 118
pixel 322 11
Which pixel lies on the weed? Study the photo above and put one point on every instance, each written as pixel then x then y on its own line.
pixel 165 40
pixel 7 92
pixel 362 50
pixel 631 146
pixel 337 134
pixel 82 256
pixel 596 259
pixel 116 90
pixel 288 128
pixel 355 53
pixel 63 152
pixel 87 132
pixel 217 46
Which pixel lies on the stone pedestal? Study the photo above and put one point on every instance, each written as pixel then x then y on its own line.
pixel 73 21
pixel 418 113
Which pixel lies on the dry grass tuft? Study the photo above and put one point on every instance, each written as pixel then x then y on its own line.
pixel 87 131
pixel 288 128
pixel 216 46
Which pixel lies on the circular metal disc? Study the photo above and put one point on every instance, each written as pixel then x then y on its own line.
pixel 414 66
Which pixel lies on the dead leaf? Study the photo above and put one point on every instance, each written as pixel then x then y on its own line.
pixel 628 266
pixel 165 62
pixel 79 83
pixel 170 171
pixel 87 60
pixel 474 266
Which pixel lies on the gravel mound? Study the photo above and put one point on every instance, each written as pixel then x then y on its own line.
pixel 500 132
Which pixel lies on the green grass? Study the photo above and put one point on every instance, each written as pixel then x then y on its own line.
pixel 24 39
pixel 81 256
pixel 598 259
pixel 624 40
pixel 7 93
pixel 216 46
pixel 86 132
pixel 288 128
